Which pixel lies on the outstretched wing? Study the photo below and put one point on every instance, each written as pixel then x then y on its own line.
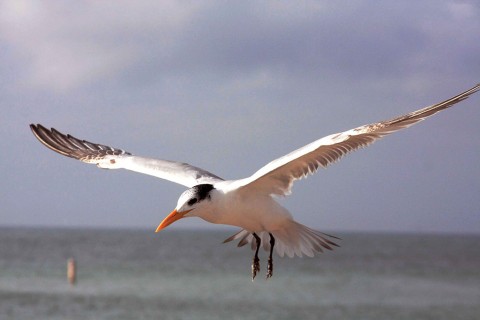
pixel 111 158
pixel 278 176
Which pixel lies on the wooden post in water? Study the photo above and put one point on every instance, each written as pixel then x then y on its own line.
pixel 71 271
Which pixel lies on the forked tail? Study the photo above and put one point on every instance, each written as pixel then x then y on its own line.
pixel 293 239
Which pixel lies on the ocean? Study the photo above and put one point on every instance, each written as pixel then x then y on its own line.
pixel 190 274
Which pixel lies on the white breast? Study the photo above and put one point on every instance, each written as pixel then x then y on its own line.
pixel 251 212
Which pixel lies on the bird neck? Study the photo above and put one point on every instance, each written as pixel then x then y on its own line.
pixel 211 209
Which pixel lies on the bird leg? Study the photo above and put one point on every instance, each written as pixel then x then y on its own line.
pixel 270 259
pixel 256 261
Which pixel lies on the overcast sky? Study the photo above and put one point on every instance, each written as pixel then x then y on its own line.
pixel 230 86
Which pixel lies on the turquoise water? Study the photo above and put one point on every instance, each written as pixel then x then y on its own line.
pixel 180 274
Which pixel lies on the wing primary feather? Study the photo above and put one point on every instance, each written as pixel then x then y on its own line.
pixel 72 147
pixel 41 133
pixel 62 139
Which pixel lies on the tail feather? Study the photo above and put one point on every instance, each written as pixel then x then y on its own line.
pixel 294 239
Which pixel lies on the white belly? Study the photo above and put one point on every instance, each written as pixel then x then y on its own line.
pixel 252 213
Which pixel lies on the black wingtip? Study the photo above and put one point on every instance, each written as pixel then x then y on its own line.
pixel 36 127
pixel 45 136
pixel 70 146
pixel 33 127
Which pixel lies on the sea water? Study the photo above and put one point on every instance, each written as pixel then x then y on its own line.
pixel 190 274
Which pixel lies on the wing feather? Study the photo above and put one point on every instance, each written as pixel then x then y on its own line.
pixel 112 158
pixel 277 177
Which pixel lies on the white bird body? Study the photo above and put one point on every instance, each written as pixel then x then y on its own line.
pixel 252 212
pixel 248 203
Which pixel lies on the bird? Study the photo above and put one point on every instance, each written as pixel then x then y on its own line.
pixel 248 203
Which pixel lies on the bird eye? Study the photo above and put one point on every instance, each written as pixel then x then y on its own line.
pixel 191 202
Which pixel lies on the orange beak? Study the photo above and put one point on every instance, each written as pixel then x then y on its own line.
pixel 171 218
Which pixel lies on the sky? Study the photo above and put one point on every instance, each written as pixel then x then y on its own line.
pixel 230 86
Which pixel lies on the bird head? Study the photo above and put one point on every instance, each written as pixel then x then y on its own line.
pixel 190 204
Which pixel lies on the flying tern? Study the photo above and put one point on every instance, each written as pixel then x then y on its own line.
pixel 247 203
